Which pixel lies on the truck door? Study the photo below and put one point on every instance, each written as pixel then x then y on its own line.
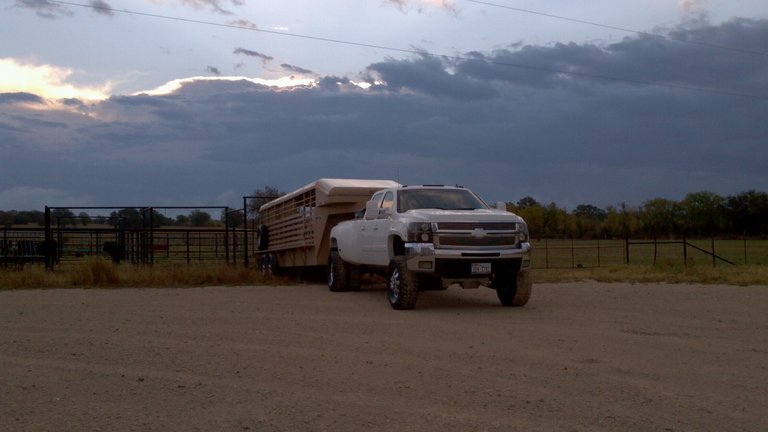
pixel 374 232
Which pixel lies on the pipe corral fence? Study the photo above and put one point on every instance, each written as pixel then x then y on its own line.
pixel 63 242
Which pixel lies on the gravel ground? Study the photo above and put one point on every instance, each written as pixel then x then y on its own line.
pixel 579 357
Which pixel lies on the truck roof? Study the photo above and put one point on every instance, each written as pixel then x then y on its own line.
pixel 331 190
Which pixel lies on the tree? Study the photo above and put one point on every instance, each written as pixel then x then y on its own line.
pixel 534 217
pixel 126 218
pixel 6 218
pixel 233 217
pixel 199 218
pixel 63 217
pixel 527 202
pixel 587 220
pixel 612 225
pixel 747 213
pixel 555 221
pixel 704 213
pixel 84 218
pixel 661 217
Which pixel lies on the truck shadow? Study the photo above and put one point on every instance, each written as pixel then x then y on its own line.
pixel 450 299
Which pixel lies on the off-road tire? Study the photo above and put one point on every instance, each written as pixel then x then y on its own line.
pixel 338 273
pixel 355 273
pixel 402 290
pixel 514 289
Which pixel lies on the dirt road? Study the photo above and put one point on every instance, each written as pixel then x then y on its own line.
pixel 579 357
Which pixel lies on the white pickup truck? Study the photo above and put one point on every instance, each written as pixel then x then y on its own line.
pixel 429 238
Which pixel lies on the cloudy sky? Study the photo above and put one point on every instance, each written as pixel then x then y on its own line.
pixel 198 102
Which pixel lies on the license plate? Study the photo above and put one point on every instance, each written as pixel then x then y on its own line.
pixel 481 268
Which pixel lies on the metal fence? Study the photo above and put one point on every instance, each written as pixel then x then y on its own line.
pixel 555 254
pixel 238 246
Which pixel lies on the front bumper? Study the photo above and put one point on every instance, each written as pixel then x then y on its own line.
pixel 457 263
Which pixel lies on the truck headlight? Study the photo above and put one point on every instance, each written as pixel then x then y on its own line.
pixel 524 237
pixel 420 232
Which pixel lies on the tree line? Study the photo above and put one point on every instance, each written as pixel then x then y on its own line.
pixel 699 214
pixel 124 218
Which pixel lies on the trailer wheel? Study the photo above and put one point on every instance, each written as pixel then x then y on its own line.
pixel 338 273
pixel 514 289
pixel 402 290
pixel 263 238
pixel 269 265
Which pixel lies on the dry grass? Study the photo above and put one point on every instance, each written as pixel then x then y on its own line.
pixel 102 273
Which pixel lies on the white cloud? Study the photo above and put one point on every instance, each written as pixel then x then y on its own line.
pixel 172 86
pixel 46 81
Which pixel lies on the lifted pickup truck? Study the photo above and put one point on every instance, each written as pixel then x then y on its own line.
pixel 429 238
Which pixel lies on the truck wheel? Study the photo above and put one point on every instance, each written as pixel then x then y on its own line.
pixel 514 289
pixel 402 291
pixel 338 273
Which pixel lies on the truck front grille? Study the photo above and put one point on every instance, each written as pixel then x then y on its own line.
pixel 476 234
pixel 469 241
pixel 469 226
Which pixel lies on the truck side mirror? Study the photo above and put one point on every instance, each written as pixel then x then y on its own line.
pixel 501 205
pixel 371 210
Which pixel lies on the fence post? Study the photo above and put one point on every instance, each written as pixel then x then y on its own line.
pixel 745 248
pixel 655 249
pixel 573 255
pixel 714 258
pixel 626 249
pixel 598 252
pixel 546 253
pixel 49 249
pixel 685 251
pixel 245 232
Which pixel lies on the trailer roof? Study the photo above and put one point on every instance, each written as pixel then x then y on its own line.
pixel 327 188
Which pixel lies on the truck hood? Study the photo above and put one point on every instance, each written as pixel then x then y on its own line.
pixel 480 215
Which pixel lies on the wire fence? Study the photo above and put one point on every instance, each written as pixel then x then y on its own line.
pixel 558 254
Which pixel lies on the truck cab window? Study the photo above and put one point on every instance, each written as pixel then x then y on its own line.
pixel 389 201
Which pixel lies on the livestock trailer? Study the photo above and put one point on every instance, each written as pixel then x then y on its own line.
pixel 295 228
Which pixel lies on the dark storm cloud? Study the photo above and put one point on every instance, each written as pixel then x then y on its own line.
pixel 638 61
pixel 428 75
pixel 9 98
pixel 295 69
pixel 44 8
pixel 251 53
pixel 505 131
pixel 213 70
pixel 102 7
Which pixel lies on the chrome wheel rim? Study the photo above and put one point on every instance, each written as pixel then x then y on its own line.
pixel 394 286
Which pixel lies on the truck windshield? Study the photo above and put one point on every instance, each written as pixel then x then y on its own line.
pixel 444 199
